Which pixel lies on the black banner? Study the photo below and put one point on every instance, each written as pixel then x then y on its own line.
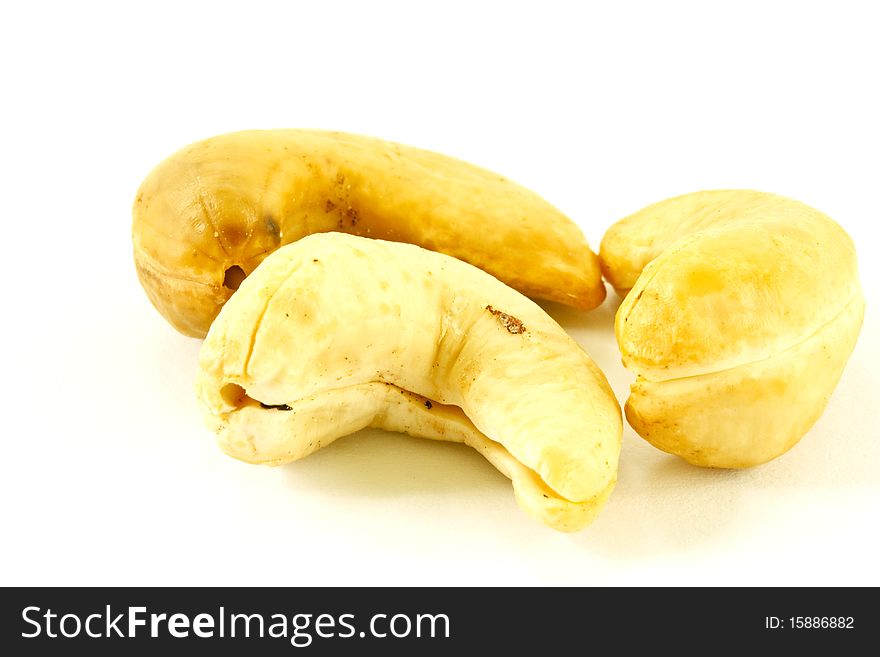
pixel 336 621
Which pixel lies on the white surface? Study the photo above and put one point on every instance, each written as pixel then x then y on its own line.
pixel 108 476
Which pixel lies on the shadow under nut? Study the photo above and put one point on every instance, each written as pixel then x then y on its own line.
pixel 209 214
pixel 739 325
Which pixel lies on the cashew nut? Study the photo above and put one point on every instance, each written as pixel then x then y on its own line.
pixel 744 309
pixel 334 333
pixel 208 215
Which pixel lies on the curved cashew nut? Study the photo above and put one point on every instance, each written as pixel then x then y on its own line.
pixel 208 215
pixel 744 309
pixel 335 333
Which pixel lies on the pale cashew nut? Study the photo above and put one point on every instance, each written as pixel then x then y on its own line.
pixel 335 333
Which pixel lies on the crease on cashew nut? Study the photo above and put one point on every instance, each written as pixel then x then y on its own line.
pixel 336 333
pixel 741 311
pixel 231 200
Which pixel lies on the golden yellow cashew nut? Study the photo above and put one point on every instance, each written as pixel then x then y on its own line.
pixel 209 214
pixel 744 309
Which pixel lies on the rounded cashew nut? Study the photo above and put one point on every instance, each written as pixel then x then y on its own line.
pixel 208 215
pixel 744 309
pixel 335 333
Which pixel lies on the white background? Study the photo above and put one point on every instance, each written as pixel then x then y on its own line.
pixel 109 477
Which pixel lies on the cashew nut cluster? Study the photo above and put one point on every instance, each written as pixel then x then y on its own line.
pixel 743 310
pixel 334 333
pixel 346 282
pixel 208 215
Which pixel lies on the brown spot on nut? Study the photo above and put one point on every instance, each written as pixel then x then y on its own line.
pixel 272 228
pixel 511 323
pixel 233 233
